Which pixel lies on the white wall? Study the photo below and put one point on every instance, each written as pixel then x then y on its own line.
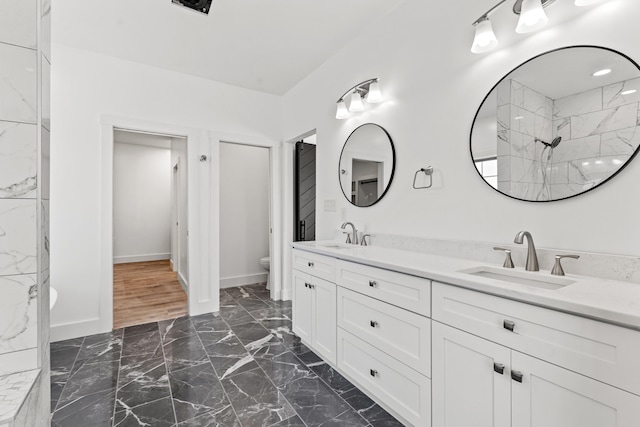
pixel 87 87
pixel 141 203
pixel 244 213
pixel 181 251
pixel 433 85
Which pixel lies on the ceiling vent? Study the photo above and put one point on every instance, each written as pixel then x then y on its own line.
pixel 197 5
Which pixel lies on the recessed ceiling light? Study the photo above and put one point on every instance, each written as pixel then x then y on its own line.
pixel 518 118
pixel 601 72
pixel 629 92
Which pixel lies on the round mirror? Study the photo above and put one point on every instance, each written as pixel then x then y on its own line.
pixel 366 165
pixel 559 125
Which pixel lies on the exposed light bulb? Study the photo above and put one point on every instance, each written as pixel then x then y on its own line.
pixel 375 94
pixel 356 102
pixel 485 39
pixel 532 17
pixel 581 3
pixel 341 110
pixel 601 73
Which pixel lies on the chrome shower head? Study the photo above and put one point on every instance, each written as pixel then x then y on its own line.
pixel 556 141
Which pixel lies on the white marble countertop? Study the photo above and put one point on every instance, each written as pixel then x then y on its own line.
pixel 610 301
pixel 14 388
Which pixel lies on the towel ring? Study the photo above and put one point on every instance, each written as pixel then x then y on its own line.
pixel 427 171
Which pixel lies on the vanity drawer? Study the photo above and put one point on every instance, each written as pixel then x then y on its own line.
pixel 320 266
pixel 405 291
pixel 598 350
pixel 401 334
pixel 400 388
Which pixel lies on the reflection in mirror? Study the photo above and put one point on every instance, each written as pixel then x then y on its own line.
pixel 366 165
pixel 559 125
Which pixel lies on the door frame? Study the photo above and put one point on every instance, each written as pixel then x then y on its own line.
pixel 175 241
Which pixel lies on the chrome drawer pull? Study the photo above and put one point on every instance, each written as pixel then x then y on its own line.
pixel 307 285
pixel 509 325
pixel 310 264
pixel 373 372
pixel 499 368
pixel 516 376
pixel 373 283
pixel 374 324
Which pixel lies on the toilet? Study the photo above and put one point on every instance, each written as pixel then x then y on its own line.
pixel 265 263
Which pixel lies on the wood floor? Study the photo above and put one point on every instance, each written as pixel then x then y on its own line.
pixel 146 292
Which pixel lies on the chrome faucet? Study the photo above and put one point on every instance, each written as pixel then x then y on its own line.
pixel 532 257
pixel 353 240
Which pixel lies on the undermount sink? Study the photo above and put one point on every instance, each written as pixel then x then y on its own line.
pixel 334 245
pixel 536 280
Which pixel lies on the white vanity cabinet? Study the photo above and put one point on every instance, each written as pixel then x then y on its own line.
pixel 314 303
pixel 486 379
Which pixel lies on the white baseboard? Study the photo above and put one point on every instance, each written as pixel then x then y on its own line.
pixel 74 330
pixel 183 282
pixel 250 279
pixel 140 258
pixel 287 295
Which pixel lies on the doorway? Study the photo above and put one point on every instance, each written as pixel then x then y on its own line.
pixel 149 228
pixel 305 190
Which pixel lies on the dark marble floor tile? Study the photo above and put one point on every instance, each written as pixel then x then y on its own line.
pixel 278 304
pixel 232 365
pixel 296 346
pixel 238 292
pixel 176 328
pixel 130 331
pixel 90 410
pixel 131 367
pixel 262 294
pixel 101 348
pixel 147 343
pixel 268 313
pixel 235 314
pixel 267 350
pixel 196 391
pixel 225 298
pixel 310 359
pixel 251 333
pixel 358 400
pixel 222 344
pixel 255 399
pixel 152 385
pixel 209 323
pixel 294 421
pixel 378 417
pixel 349 418
pixel 252 304
pixel 287 311
pixel 89 379
pixel 225 417
pixel 284 369
pixel 337 382
pixel 63 355
pixel 184 352
pixel 282 330
pixel 156 413
pixel 314 401
pixel 256 287
pixel 56 391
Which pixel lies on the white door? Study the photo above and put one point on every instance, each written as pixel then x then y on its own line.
pixel 470 380
pixel 324 318
pixel 550 396
pixel 302 306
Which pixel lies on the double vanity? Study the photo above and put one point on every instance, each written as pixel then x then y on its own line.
pixel 448 342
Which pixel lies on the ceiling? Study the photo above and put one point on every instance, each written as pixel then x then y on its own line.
pixel 265 45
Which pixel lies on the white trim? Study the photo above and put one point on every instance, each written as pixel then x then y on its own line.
pixel 140 258
pixel 76 329
pixel 249 279
pixel 287 295
pixel 183 282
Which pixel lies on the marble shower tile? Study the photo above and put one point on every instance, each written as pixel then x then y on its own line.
pixel 503 95
pixel 578 104
pixel 45 102
pixel 18 313
pixel 18 160
pixel 613 97
pixel 255 399
pixel 225 417
pixel 45 255
pixel 18 248
pixel 18 22
pixel 14 389
pixel 517 94
pixel 45 164
pixel 559 173
pixel 604 121
pixel 18 85
pixel 45 27
pixel 562 128
pixel 284 369
pixel 157 413
pixel 30 411
pixel 624 141
pixel 534 101
pixel 314 401
pixel 582 148
pixel 196 391
pixel 18 361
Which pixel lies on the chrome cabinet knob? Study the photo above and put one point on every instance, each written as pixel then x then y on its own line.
pixel 557 269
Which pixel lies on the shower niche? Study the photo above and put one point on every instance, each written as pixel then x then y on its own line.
pixel 559 125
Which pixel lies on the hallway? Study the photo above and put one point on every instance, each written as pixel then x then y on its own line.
pixel 146 292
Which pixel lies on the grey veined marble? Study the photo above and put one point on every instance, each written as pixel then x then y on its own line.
pixel 18 160
pixel 18 313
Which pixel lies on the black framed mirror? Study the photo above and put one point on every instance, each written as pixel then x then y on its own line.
pixel 367 164
pixel 559 125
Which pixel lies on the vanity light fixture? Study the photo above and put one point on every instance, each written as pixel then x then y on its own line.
pixel 601 73
pixel 532 18
pixel 368 89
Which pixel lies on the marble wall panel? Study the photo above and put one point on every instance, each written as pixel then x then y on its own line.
pixel 604 121
pixel 504 93
pixel 18 160
pixel 623 141
pixel 45 163
pixel 45 28
pixel 534 102
pixel 18 313
pixel 517 94
pixel 18 22
pixel 18 361
pixel 581 148
pixel 18 85
pixel 613 97
pixel 45 100
pixel 18 244
pixel 559 173
pixel 29 413
pixel 562 128
pixel 578 104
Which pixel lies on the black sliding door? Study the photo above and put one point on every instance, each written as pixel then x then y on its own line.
pixel 305 192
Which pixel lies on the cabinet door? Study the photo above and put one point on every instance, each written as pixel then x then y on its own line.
pixel 550 396
pixel 468 388
pixel 324 319
pixel 302 305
